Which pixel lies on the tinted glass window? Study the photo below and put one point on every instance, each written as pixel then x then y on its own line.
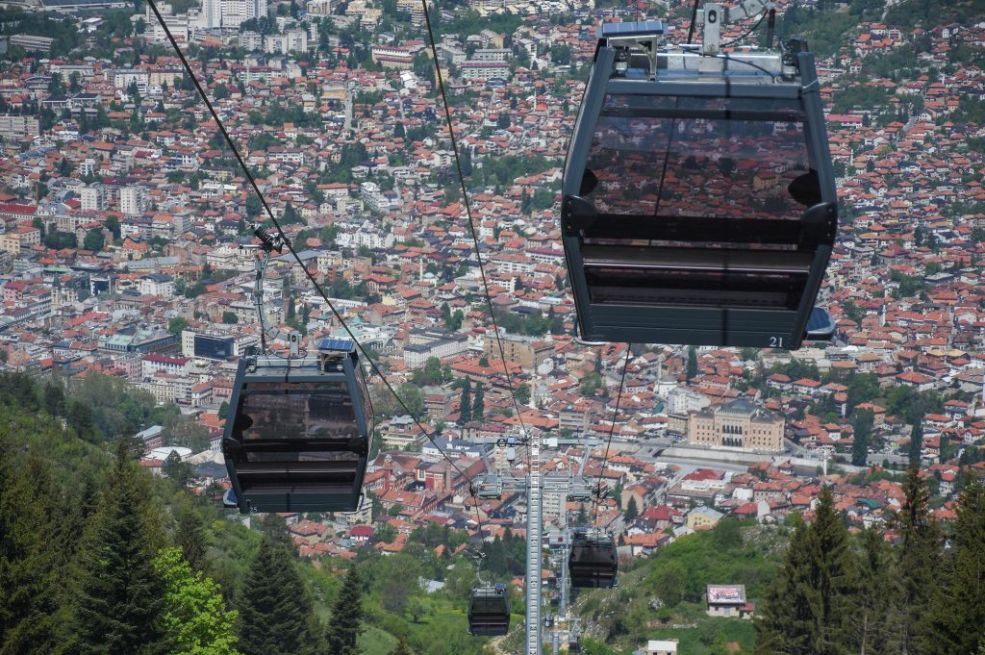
pixel 366 400
pixel 303 456
pixel 271 411
pixel 715 157
pixel 494 606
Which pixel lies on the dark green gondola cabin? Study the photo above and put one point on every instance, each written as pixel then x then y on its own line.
pixel 297 438
pixel 592 561
pixel 489 611
pixel 699 201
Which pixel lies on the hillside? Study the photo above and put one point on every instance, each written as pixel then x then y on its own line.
pixel 53 484
pixel 663 596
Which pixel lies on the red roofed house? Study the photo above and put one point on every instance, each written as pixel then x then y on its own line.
pixel 360 534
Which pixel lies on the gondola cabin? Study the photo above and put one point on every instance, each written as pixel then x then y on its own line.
pixel 490 486
pixel 297 437
pixel 699 201
pixel 580 490
pixel 489 611
pixel 592 561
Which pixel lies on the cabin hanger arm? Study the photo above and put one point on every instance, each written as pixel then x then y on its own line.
pixel 712 16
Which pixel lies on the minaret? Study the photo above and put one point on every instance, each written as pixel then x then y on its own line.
pixel 388 468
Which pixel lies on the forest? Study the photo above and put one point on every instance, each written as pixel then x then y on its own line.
pixel 99 556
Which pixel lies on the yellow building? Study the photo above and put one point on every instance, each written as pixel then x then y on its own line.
pixel 11 243
pixel 737 424
pixel 525 351
pixel 703 518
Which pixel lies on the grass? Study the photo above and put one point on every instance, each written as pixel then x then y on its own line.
pixel 374 641
pixel 442 630
pixel 710 635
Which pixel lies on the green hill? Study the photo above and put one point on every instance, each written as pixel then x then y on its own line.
pixel 54 472
pixel 663 596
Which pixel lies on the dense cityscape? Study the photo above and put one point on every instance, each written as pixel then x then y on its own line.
pixel 124 216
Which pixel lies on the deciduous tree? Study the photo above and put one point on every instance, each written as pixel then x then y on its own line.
pixel 176 325
pixel 195 618
pixel 94 240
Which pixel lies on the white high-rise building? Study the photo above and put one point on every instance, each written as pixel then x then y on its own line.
pixel 235 12
pixel 177 24
pixel 290 40
pixel 211 14
pixel 93 198
pixel 133 201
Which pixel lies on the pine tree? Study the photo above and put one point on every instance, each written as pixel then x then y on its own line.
pixel 189 537
pixel 877 591
pixel 478 404
pixel 917 563
pixel 495 560
pixel 465 403
pixel 29 558
pixel 958 608
pixel 692 363
pixel 862 431
pixel 808 610
pixel 275 611
pixel 916 441
pixel 784 622
pixel 347 613
pixel 632 511
pixel 118 606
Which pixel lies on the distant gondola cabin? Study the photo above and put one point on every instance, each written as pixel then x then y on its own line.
pixel 489 611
